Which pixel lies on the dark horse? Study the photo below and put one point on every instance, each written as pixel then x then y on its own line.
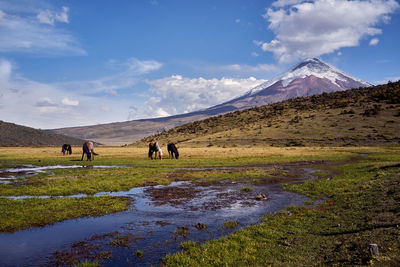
pixel 154 148
pixel 88 150
pixel 66 148
pixel 172 150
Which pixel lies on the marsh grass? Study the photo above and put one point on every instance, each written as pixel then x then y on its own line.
pixel 230 224
pixel 302 229
pixel 120 240
pixel 22 214
pixel 89 182
pixel 361 207
pixel 141 171
pixel 246 189
pixel 139 254
pixel 87 263
pixel 228 174
pixel 187 245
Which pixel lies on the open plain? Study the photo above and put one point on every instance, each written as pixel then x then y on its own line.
pixel 323 205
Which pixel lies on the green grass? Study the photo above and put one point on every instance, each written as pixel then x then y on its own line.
pixel 230 224
pixel 75 181
pixel 246 189
pixel 139 254
pixel 22 214
pixel 187 245
pixel 361 207
pixel 140 173
pixel 87 264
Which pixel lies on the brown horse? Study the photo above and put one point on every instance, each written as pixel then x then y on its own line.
pixel 154 148
pixel 66 148
pixel 87 149
pixel 172 150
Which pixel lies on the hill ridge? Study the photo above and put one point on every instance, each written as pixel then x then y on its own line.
pixel 357 116
pixel 18 135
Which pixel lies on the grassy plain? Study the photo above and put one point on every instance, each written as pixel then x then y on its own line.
pixel 361 207
pixel 361 200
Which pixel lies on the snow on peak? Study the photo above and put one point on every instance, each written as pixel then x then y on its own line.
pixel 308 67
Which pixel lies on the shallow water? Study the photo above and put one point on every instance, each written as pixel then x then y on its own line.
pixel 153 222
pixel 10 174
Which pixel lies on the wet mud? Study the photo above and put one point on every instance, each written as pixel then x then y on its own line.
pixel 158 221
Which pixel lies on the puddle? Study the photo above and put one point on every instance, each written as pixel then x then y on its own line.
pixel 159 219
pixel 12 173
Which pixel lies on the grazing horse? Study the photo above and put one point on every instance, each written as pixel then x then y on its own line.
pixel 154 148
pixel 66 148
pixel 172 150
pixel 88 150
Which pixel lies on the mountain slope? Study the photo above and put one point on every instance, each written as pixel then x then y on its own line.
pixel 310 77
pixel 363 116
pixel 16 135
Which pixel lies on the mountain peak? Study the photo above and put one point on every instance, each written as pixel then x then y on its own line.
pixel 314 64
pixel 313 67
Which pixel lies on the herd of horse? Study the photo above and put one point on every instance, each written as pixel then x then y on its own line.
pixel 154 148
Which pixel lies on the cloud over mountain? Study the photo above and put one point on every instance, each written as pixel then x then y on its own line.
pixel 177 94
pixel 306 29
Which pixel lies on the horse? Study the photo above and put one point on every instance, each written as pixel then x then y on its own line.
pixel 66 148
pixel 87 149
pixel 172 150
pixel 154 148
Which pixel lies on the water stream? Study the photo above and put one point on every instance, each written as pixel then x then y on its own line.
pixel 154 224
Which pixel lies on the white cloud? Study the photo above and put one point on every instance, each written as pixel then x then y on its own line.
pixel 49 17
pixel 283 3
pixel 255 54
pixel 66 101
pixel 138 67
pixel 74 103
pixel 41 105
pixel 113 92
pixel 128 73
pixel 312 28
pixel 176 94
pixel 28 31
pixel 5 72
pixel 374 41
pixel 46 102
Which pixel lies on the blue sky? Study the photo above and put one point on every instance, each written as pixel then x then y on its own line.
pixel 79 62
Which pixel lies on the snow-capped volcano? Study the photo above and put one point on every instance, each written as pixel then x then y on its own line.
pixel 313 67
pixel 310 77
